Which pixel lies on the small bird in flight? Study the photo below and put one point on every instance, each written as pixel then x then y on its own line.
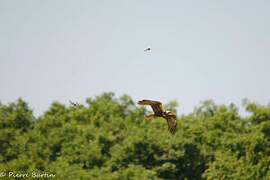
pixel 75 105
pixel 159 112
pixel 147 49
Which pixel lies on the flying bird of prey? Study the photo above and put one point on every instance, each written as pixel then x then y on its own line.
pixel 147 49
pixel 75 105
pixel 159 112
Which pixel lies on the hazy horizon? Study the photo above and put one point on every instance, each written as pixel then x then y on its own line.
pixel 61 50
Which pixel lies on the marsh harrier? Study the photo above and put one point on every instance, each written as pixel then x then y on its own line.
pixel 159 112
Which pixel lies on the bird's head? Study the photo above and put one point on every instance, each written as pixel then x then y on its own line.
pixel 168 112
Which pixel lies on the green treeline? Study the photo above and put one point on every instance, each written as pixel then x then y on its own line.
pixel 109 138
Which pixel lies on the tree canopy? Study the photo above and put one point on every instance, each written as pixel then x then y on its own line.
pixel 109 138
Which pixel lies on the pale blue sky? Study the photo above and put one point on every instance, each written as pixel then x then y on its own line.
pixel 57 50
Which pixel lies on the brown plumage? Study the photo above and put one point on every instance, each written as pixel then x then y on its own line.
pixel 159 112
pixel 147 49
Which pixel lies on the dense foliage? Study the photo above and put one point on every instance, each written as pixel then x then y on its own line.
pixel 110 139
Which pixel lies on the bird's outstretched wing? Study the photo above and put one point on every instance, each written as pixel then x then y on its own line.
pixel 147 49
pixel 73 104
pixel 172 123
pixel 156 106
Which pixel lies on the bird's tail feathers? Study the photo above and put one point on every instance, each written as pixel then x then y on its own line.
pixel 149 116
